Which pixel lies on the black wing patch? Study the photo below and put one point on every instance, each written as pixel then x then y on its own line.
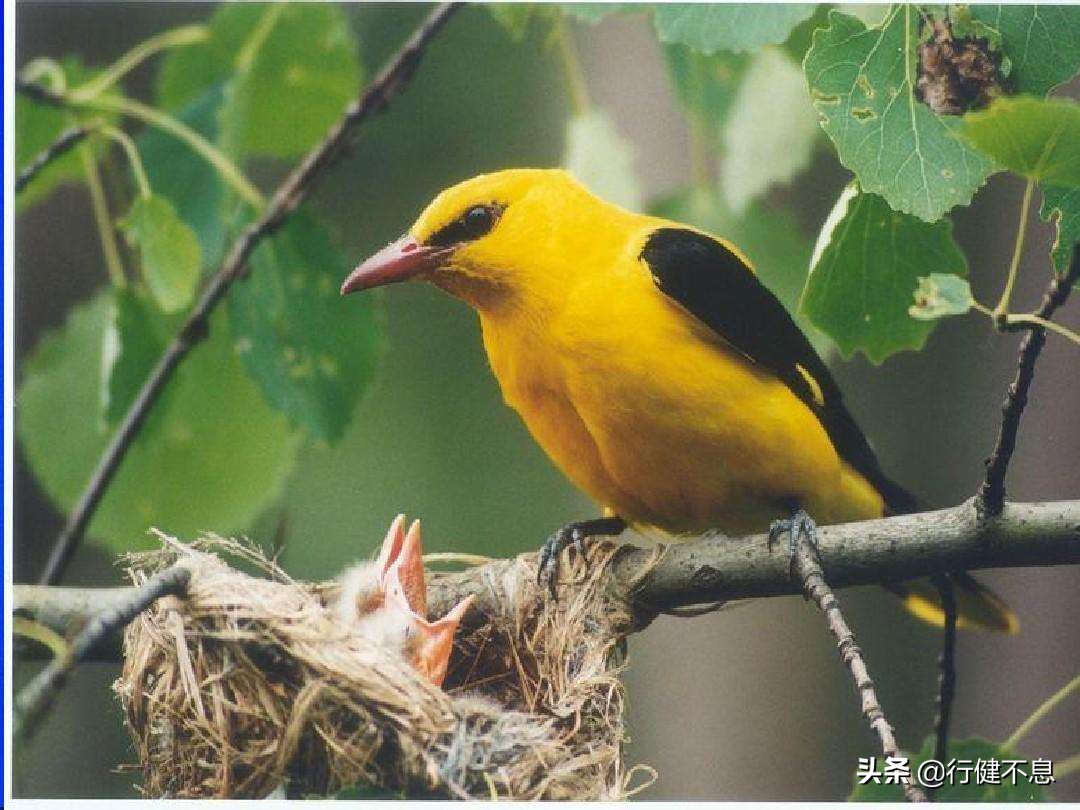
pixel 717 286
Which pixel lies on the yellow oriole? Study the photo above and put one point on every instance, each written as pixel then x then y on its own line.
pixel 652 366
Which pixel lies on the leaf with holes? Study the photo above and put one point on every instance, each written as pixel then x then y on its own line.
pixel 1042 41
pixel 211 454
pixel 601 158
pixel 311 352
pixel 169 249
pixel 861 84
pixel 865 269
pixel 1036 138
pixel 759 153
pixel 940 295
pixel 712 27
pixel 1062 206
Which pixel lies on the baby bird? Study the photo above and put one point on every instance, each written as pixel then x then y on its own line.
pixel 386 602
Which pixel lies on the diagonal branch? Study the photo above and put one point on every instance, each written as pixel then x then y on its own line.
pixel 817 590
pixel 946 669
pixel 63 143
pixel 36 696
pixel 391 80
pixel 991 494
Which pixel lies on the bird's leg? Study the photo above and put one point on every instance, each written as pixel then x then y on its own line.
pixel 572 534
pixel 800 522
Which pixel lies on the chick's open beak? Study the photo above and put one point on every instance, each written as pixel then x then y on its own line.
pixel 398 261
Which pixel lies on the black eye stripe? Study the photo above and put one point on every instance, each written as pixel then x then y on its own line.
pixel 475 222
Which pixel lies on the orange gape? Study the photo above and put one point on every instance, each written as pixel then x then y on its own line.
pixel 395 591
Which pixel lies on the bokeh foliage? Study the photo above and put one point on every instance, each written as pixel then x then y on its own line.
pixel 310 419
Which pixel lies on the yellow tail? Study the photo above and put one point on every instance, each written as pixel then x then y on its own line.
pixel 976 605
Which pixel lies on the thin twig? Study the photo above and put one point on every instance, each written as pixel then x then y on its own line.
pixel 808 570
pixel 992 491
pixel 946 668
pixel 296 187
pixel 1040 713
pixel 64 142
pixel 36 696
pixel 715 568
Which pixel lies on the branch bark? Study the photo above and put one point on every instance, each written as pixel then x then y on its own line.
pixel 36 696
pixel 817 590
pixel 718 568
pixel 991 494
pixel 67 139
pixel 390 81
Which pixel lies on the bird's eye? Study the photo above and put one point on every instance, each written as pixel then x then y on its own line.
pixel 477 221
pixel 474 223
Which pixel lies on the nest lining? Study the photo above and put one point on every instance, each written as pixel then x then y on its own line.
pixel 251 682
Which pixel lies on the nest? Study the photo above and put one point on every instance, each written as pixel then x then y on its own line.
pixel 251 682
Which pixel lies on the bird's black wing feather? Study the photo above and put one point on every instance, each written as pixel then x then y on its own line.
pixel 717 286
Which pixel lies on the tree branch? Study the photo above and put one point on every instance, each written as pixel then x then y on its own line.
pixel 817 590
pixel 391 80
pixel 64 142
pixel 36 696
pixel 947 669
pixel 991 494
pixel 717 568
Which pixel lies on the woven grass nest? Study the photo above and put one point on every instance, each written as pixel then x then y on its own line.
pixel 252 682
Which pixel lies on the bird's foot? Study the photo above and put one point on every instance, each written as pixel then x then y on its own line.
pixel 572 535
pixel 799 524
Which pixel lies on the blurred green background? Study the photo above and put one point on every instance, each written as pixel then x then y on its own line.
pixel 747 704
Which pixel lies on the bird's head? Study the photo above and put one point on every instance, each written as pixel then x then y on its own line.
pixel 494 238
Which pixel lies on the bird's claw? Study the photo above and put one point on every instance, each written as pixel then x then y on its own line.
pixel 569 536
pixel 799 524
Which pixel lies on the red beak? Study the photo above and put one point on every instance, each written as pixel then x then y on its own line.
pixel 398 261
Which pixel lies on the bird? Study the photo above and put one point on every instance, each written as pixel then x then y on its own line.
pixel 655 370
pixel 384 602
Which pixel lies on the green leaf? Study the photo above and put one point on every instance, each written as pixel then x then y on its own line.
pixel 709 27
pixel 601 158
pixel 169 248
pixel 1062 206
pixel 971 750
pixel 517 17
pixel 135 338
pixel 940 295
pixel 187 73
pixel 1036 138
pixel 798 42
pixel 290 68
pixel 290 88
pixel 1042 41
pixel 210 456
pixel 866 266
pixel 183 177
pixel 706 85
pixel 757 152
pixel 38 125
pixel 861 83
pixel 593 13
pixel 311 352
pixel 770 238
